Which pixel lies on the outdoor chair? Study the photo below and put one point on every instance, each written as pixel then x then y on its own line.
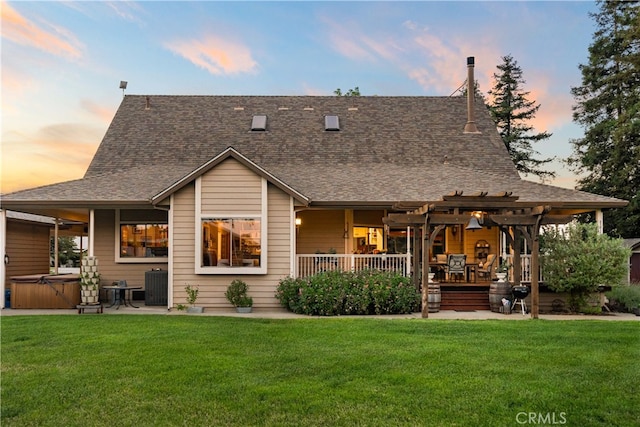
pixel 441 266
pixel 456 265
pixel 486 271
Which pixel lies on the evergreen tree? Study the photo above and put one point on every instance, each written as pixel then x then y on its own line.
pixel 511 110
pixel 351 92
pixel 608 108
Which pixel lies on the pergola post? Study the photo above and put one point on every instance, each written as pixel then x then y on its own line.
pixel 425 267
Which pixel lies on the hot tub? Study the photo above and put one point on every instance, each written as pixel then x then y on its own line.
pixel 45 291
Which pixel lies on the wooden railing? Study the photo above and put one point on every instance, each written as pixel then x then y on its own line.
pixel 525 268
pixel 308 265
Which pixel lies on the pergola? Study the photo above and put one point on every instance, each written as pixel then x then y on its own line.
pixel 515 218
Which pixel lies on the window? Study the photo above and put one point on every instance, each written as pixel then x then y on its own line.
pixel 231 242
pixel 259 123
pixel 142 236
pixel 144 240
pixel 331 123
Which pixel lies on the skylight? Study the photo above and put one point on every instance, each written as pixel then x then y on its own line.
pixel 259 123
pixel 331 123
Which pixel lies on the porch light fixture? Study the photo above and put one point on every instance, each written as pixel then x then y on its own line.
pixel 474 222
pixel 298 222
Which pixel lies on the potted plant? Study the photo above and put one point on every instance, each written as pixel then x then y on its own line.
pixel 237 296
pixel 89 282
pixel 502 272
pixel 192 296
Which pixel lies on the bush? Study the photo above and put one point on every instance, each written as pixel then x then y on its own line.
pixel 626 297
pixel 237 294
pixel 580 259
pixel 341 293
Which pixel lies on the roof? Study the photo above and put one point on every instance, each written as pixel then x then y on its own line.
pixel 633 243
pixel 388 149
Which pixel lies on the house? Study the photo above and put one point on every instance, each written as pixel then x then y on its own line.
pixel 211 188
pixel 634 260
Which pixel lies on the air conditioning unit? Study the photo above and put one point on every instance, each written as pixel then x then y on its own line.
pixel 156 287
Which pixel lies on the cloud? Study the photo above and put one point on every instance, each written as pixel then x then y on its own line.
pixel 55 40
pixel 105 114
pixel 125 10
pixel 216 55
pixel 27 159
pixel 436 63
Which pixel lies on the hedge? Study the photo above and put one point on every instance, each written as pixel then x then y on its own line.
pixel 341 293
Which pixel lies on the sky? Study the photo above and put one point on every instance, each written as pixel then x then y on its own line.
pixel 62 63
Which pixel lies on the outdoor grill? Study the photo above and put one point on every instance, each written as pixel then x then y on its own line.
pixel 519 294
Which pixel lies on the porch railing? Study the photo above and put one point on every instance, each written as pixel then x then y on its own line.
pixel 308 265
pixel 525 268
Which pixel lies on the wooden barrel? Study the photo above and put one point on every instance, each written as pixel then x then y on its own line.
pixel 497 291
pixel 434 298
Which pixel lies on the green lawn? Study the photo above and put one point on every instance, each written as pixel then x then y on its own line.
pixel 204 371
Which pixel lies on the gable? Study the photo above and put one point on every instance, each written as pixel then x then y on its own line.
pixel 231 187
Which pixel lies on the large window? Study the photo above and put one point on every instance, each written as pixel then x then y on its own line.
pixel 144 240
pixel 231 242
pixel 142 236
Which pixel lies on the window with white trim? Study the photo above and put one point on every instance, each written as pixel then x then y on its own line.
pixel 231 242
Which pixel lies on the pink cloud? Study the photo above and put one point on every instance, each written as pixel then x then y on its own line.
pixel 216 55
pixel 105 114
pixel 27 158
pixel 57 40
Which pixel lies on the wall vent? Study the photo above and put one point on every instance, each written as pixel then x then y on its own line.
pixel 259 123
pixel 331 123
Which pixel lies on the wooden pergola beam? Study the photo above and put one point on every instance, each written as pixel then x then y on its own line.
pixel 522 219
pixel 403 220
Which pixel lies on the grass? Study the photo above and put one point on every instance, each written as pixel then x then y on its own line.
pixel 194 370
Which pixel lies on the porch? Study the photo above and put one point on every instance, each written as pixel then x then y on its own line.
pixel 310 264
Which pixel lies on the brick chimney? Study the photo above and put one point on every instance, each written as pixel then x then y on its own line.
pixel 470 127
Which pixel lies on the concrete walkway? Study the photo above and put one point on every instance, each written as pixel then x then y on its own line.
pixel 282 314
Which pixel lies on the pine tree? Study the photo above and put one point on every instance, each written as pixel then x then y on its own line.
pixel 351 92
pixel 511 110
pixel 608 108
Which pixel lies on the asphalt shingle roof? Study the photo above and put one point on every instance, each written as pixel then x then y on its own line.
pixel 388 149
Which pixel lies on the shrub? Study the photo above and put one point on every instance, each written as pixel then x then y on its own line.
pixel 237 294
pixel 627 297
pixel 579 260
pixel 341 293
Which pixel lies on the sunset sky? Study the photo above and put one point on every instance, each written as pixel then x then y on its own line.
pixel 62 62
